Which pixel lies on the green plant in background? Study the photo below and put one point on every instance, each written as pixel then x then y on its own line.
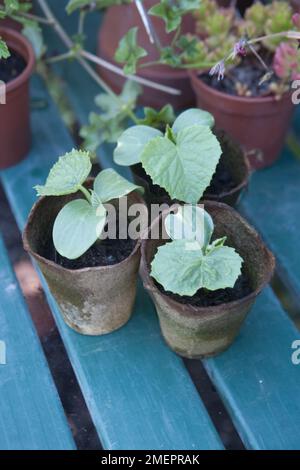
pixel 182 160
pixel 192 261
pixel 80 223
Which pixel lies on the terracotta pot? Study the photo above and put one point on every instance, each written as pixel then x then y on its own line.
pixel 195 332
pixel 259 124
pixel 93 301
pixel 235 160
pixel 117 21
pixel 15 134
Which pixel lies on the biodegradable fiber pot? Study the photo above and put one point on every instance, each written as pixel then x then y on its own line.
pixel 116 22
pixel 260 124
pixel 234 160
pixel 93 301
pixel 15 134
pixel 195 332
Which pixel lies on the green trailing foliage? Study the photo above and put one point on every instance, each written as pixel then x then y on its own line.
pixel 192 261
pixel 129 52
pixel 182 160
pixel 74 5
pixel 80 223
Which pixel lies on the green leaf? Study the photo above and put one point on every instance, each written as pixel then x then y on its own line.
pixel 158 119
pixel 193 116
pixel 110 185
pixel 76 4
pixel 4 52
pixel 35 36
pixel 67 175
pixel 132 143
pixel 77 227
pixel 109 125
pixel 182 268
pixel 129 52
pixel 184 169
pixel 191 223
pixel 169 13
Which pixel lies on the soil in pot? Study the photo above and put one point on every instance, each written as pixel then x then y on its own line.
pixel 103 253
pixel 206 298
pixel 242 80
pixel 12 67
pixel 227 181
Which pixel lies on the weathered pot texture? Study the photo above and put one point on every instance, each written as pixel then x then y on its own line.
pixel 116 22
pixel 260 124
pixel 15 134
pixel 235 160
pixel 195 332
pixel 93 301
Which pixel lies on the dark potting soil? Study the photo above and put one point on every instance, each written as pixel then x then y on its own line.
pixel 12 67
pixel 103 253
pixel 242 80
pixel 206 298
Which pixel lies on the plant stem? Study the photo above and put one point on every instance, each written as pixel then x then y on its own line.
pixel 60 57
pixel 150 30
pixel 82 16
pixel 85 192
pixel 286 34
pixel 28 16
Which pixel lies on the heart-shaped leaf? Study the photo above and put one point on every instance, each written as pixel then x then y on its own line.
pixel 185 168
pixel 110 185
pixel 132 143
pixel 191 223
pixel 129 52
pixel 67 175
pixel 193 116
pixel 77 227
pixel 182 268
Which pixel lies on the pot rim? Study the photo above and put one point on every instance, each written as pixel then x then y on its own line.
pixel 56 266
pixel 215 309
pixel 193 74
pixel 14 37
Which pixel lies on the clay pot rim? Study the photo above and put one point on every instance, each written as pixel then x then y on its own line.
pixel 14 37
pixel 56 266
pixel 193 74
pixel 190 310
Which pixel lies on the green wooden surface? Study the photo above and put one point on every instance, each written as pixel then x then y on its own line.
pixel 138 392
pixel 31 414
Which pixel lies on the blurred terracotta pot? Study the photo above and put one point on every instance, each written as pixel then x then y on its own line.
pixel 196 332
pixel 117 21
pixel 15 134
pixel 259 124
pixel 93 301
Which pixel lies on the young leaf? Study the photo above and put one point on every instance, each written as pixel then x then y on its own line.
pixel 191 223
pixel 184 271
pixel 4 52
pixel 159 118
pixel 110 185
pixel 183 169
pixel 67 174
pixel 132 143
pixel 129 52
pixel 169 13
pixel 35 36
pixel 77 227
pixel 193 116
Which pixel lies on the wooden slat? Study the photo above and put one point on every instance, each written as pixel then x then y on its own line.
pixel 258 381
pixel 139 394
pixel 31 414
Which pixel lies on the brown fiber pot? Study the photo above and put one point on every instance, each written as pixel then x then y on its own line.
pixel 117 21
pixel 236 161
pixel 93 301
pixel 15 134
pixel 259 124
pixel 195 332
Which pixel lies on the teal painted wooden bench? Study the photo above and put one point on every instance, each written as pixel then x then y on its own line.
pixel 31 414
pixel 139 394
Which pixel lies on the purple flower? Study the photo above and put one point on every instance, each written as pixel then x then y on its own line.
pixel 239 49
pixel 218 69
